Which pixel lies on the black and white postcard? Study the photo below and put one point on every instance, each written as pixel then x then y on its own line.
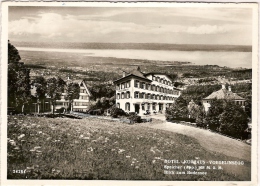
pixel 111 93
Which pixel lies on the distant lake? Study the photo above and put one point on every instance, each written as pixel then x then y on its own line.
pixel 222 58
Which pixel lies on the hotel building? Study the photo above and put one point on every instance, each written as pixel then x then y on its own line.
pixel 139 92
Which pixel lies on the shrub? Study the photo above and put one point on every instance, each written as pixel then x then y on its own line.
pixel 233 121
pixel 115 112
pixel 135 118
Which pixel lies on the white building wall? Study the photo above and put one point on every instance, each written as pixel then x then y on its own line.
pixel 139 101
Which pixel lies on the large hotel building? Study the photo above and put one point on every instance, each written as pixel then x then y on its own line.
pixel 145 93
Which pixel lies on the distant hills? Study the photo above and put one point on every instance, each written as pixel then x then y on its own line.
pixel 135 46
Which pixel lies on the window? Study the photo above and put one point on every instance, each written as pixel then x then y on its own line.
pixel 127 106
pixel 123 95
pixel 148 86
pixel 161 89
pixel 143 107
pixel 118 96
pixel 117 87
pixel 136 84
pixel 136 94
pixel 118 105
pixel 141 95
pixel 148 106
pixel 157 88
pixel 154 107
pixel 127 84
pixel 144 86
pixel 127 94
pixel 148 96
pixel 122 85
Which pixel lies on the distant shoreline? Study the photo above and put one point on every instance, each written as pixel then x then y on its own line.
pixel 222 58
pixel 136 46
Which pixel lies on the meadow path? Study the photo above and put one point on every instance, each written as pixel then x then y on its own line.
pixel 209 140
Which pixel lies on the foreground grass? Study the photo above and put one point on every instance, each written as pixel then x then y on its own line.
pixel 63 148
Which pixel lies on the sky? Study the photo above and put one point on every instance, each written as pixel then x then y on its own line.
pixel 182 25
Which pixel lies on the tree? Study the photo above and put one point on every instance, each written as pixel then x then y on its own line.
pixel 100 90
pixel 19 92
pixel 178 110
pixel 55 88
pixel 200 119
pixel 233 120
pixel 193 109
pixel 13 54
pixel 73 91
pixel 212 118
pixel 41 88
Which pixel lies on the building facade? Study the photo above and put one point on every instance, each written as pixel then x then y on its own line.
pixel 223 94
pixel 145 93
pixel 78 105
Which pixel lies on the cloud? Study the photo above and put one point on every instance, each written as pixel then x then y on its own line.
pixel 52 25
pixel 208 29
pixel 46 26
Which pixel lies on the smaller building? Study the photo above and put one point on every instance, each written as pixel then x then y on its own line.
pixel 38 105
pixel 79 105
pixel 223 94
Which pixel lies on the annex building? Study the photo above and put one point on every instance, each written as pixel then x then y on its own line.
pixel 144 93
pixel 79 105
pixel 224 94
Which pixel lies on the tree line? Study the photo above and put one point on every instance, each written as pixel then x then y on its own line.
pixel 223 116
pixel 19 85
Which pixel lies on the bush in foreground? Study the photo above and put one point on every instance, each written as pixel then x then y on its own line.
pixel 116 112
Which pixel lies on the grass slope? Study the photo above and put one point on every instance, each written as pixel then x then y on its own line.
pixel 63 148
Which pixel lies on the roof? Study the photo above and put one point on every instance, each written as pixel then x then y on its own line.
pixel 79 82
pixel 73 81
pixel 158 73
pixel 136 73
pixel 224 94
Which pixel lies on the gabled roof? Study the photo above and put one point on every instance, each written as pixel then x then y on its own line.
pixel 224 94
pixel 136 73
pixel 79 82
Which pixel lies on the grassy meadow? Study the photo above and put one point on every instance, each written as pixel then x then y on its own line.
pixel 91 148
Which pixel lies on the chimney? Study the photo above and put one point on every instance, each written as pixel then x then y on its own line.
pixel 229 88
pixel 124 73
pixel 223 87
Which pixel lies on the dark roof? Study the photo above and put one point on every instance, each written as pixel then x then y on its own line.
pixel 224 94
pixel 136 73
